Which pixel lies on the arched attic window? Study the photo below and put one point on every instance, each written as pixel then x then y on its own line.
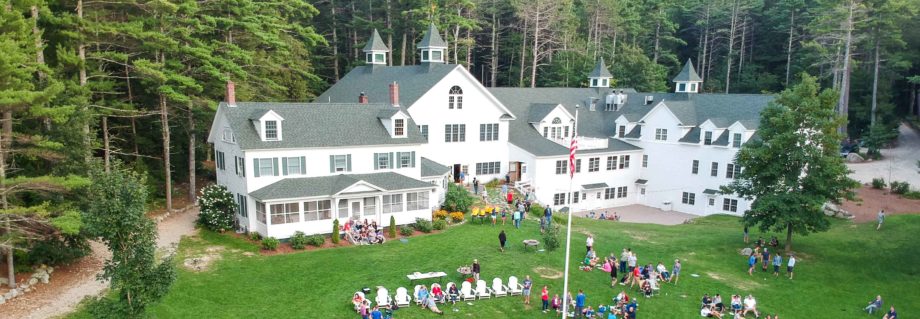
pixel 455 98
pixel 557 121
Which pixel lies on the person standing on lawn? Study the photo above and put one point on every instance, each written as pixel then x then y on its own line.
pixel 881 219
pixel 544 296
pixel 752 260
pixel 580 303
pixel 504 189
pixel 476 269
pixel 623 257
pixel 791 265
pixel 475 186
pixel 675 272
pixel 504 215
pixel 589 243
pixel 502 238
pixel 494 216
pixel 510 197
pixel 746 238
pixel 517 219
pixel 548 214
pixel 766 258
pixel 777 261
pixel 528 286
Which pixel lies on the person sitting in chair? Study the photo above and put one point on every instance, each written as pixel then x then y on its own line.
pixel 750 304
pixel 453 293
pixel 874 305
pixel 436 293
pixel 647 288
pixel 430 304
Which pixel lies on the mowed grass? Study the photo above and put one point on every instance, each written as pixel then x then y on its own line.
pixel 838 271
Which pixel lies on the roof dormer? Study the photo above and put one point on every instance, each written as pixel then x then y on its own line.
pixel 432 47
pixel 687 81
pixel 375 51
pixel 395 121
pixel 267 124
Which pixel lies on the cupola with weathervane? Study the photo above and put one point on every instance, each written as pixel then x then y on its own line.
pixel 687 81
pixel 432 47
pixel 600 77
pixel 376 51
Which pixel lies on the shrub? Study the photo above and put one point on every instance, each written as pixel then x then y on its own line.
pixel 406 230
pixel 912 195
pixel 536 210
pixel 335 231
pixel 439 214
pixel 255 236
pixel 217 208
pixel 560 218
pixel 392 228
pixel 494 183
pixel 423 225
pixel 270 243
pixel 457 217
pixel 900 187
pixel 56 251
pixel 878 183
pixel 299 240
pixel 439 224
pixel 551 238
pixel 457 198
pixel 316 240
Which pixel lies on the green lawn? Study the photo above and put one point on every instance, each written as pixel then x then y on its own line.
pixel 838 271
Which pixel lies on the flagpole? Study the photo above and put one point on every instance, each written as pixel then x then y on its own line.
pixel 568 229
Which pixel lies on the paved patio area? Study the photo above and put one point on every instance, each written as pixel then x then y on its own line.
pixel 642 214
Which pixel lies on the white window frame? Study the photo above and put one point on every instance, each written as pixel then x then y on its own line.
pixel 454 133
pixel 661 134
pixel 399 127
pixel 730 205
pixel 270 167
pixel 488 132
pixel 612 163
pixel 558 199
pixel 736 140
pixel 688 198
pixel 336 161
pixel 294 160
pixel 286 213
pixel 707 138
pixel 455 98
pixel 269 131
pixel 622 191
pixel 562 167
pixel 695 167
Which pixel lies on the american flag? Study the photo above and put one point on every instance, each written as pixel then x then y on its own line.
pixel 572 148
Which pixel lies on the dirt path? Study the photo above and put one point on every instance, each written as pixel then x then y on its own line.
pixel 899 163
pixel 71 284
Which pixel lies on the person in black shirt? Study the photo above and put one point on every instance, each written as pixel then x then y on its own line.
pixel 501 240
pixel 476 269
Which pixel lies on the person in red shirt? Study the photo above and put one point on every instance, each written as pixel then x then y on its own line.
pixel 544 295
pixel 510 198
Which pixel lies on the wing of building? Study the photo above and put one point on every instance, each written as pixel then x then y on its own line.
pixel 385 141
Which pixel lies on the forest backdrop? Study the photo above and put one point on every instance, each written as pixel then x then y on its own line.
pixel 87 83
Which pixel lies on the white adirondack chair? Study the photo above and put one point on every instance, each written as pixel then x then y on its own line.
pixel 498 289
pixel 402 297
pixel 466 291
pixel 447 294
pixel 383 298
pixel 358 299
pixel 418 301
pixel 514 288
pixel 482 290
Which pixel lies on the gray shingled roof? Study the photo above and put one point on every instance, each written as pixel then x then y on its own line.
pixel 375 43
pixel 710 191
pixel 693 136
pixel 722 140
pixel 316 125
pixel 636 132
pixel 594 186
pixel 414 81
pixel 687 74
pixel 329 185
pixel 641 181
pixel 600 70
pixel 432 39
pixel 537 102
pixel 431 168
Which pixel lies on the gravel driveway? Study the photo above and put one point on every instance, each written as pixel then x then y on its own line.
pixel 899 163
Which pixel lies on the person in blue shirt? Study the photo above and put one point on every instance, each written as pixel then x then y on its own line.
pixel 376 314
pixel 631 309
pixel 579 302
pixel 891 314
pixel 777 261
pixel 752 260
pixel 601 311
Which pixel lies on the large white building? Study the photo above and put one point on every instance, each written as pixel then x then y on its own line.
pixel 384 140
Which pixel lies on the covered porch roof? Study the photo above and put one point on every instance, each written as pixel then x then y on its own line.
pixel 337 184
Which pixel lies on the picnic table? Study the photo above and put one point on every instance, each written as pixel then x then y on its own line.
pixel 428 275
pixel 530 243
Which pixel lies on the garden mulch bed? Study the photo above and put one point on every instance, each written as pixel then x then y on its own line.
pixel 285 248
pixel 872 200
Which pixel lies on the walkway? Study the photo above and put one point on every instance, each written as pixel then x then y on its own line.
pixel 899 163
pixel 643 214
pixel 62 295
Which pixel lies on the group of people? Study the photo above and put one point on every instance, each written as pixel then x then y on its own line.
pixel 430 299
pixel 713 307
pixel 362 233
pixel 621 306
pixel 764 259
pixel 604 216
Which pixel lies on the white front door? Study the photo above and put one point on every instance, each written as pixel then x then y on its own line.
pixel 356 209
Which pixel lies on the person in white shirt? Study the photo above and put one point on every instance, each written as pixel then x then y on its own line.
pixel 791 265
pixel 663 272
pixel 589 243
pixel 750 304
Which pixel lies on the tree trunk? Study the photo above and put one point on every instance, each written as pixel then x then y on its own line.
pixel 389 34
pixel 705 62
pixel 335 43
pixel 657 39
pixel 523 53
pixel 192 190
pixel 105 144
pixel 875 79
pixel 6 134
pixel 37 33
pixel 493 67
pixel 741 50
pixel 731 46
pixel 456 39
pixel 536 45
pixel 844 105
pixel 354 31
pixel 789 46
pixel 788 237
pixel 167 174
pixel 469 50
pixel 402 53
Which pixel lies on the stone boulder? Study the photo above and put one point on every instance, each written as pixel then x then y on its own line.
pixel 833 210
pixel 854 158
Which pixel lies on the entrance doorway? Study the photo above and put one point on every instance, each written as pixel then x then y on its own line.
pixel 457 173
pixel 356 210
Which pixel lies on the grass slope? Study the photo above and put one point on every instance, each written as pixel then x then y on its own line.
pixel 837 273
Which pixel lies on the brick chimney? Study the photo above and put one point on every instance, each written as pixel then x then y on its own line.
pixel 231 93
pixel 394 94
pixel 362 99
